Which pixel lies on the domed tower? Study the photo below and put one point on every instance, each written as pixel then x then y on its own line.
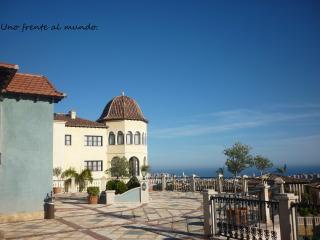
pixel 127 132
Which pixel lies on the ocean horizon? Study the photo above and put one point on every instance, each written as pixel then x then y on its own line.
pixel 211 171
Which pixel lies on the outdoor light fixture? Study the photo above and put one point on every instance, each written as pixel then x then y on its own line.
pixel 144 174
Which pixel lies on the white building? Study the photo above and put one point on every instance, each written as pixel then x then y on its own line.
pixel 121 131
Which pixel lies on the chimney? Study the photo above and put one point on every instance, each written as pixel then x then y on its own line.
pixel 73 114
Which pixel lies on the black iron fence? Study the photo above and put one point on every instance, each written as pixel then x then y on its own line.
pixel 244 217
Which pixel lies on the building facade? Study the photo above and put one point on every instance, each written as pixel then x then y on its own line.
pixel 26 108
pixel 121 131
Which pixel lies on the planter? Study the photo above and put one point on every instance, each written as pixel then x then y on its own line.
pixel 57 190
pixel 92 199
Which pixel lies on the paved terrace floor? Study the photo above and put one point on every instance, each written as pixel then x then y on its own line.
pixel 169 215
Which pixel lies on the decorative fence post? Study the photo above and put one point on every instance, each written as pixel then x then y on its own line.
pixel 264 196
pixel 163 182
pixel 193 184
pixel 174 183
pixel 220 187
pixel 244 185
pixel 208 213
pixel 287 218
pixel 73 185
pixel 144 193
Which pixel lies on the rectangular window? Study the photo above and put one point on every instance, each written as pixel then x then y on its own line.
pixel 93 166
pixel 67 140
pixel 93 140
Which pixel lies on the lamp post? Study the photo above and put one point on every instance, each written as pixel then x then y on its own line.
pixel 144 174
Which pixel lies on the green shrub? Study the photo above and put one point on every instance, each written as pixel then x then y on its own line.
pixel 304 211
pixel 111 185
pixel 133 183
pixel 93 191
pixel 117 185
pixel 314 211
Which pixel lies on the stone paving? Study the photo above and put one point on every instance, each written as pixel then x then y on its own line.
pixel 169 215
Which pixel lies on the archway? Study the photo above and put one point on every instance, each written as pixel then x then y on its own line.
pixel 134 166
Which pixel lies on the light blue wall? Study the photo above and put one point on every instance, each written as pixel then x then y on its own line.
pixel 133 195
pixel 26 145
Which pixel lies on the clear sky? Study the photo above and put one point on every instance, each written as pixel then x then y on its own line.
pixel 205 73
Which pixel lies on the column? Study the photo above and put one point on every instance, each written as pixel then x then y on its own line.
pixel 287 217
pixel 265 212
pixel 163 182
pixel 144 193
pixel 208 213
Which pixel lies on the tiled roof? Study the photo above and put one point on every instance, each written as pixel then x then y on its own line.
pixel 122 108
pixel 32 85
pixel 77 122
pixel 9 65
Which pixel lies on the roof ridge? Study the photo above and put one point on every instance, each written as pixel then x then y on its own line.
pixel 31 74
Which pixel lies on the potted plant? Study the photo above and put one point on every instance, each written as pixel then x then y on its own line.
pixel 57 173
pixel 93 195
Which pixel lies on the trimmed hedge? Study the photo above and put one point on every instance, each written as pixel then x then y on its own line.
pixel 117 185
pixel 133 183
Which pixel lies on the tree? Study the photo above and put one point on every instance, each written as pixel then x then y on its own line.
pixel 57 172
pixel 282 170
pixel 261 163
pixel 119 167
pixel 80 178
pixel 238 158
pixel 220 171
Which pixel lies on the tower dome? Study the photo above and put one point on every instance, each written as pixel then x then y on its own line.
pixel 122 108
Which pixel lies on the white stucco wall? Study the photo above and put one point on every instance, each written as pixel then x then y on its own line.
pixel 128 151
pixel 76 154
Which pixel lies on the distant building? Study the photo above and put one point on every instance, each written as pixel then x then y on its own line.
pixel 121 131
pixel 26 109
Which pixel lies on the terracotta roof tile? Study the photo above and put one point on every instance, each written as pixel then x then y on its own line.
pixel 9 65
pixel 32 84
pixel 77 122
pixel 122 108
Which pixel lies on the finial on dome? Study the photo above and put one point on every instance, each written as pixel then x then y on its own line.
pixel 122 93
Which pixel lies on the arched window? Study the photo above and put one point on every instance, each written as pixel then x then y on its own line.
pixel 134 168
pixel 120 138
pixel 112 138
pixel 142 140
pixel 137 138
pixel 129 137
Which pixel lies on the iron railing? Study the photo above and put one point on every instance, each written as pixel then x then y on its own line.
pixel 244 217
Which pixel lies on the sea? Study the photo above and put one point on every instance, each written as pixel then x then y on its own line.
pixel 211 171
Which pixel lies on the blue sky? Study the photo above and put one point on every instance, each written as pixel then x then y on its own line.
pixel 205 73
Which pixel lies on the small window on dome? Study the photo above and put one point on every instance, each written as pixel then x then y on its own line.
pixel 112 138
pixel 129 138
pixel 137 139
pixel 120 138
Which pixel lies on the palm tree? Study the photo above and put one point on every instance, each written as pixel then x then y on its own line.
pixel 220 171
pixel 57 172
pixel 80 178
pixel 282 170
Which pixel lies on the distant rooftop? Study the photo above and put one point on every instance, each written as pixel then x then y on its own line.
pixel 76 121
